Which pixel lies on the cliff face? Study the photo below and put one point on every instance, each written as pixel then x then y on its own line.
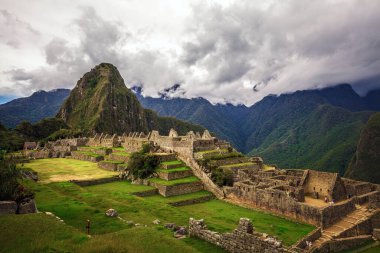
pixel 100 102
pixel 365 164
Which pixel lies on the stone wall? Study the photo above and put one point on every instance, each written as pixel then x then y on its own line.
pixel 95 181
pixel 332 214
pixel 174 175
pixel 199 173
pixel 106 165
pixel 242 240
pixel 311 237
pixel 274 200
pixel 146 193
pixel 24 207
pixel 84 157
pixel 118 157
pixel 192 201
pixel 179 189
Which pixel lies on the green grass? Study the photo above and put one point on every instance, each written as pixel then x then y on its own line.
pixel 175 170
pixel 63 169
pixel 97 148
pixel 172 163
pixel 118 149
pixel 174 182
pixel 122 153
pixel 89 154
pixel 236 165
pixel 194 195
pixel 212 151
pixel 75 204
pixel 223 217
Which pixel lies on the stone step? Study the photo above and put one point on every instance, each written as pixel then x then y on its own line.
pixel 171 165
pixel 119 156
pixel 109 165
pixel 177 187
pixel 172 174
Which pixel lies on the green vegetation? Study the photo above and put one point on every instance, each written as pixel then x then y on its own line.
pixel 122 153
pixel 112 161
pixel 236 165
pixel 175 170
pixel 172 163
pixel 370 247
pixel 75 204
pixel 222 177
pixel 11 187
pixel 63 169
pixel 212 151
pixel 142 164
pixel 174 182
pixel 365 162
pixel 101 102
pixel 89 154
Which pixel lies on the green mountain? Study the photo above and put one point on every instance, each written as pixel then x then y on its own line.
pixel 39 105
pixel 366 160
pixel 100 102
pixel 316 129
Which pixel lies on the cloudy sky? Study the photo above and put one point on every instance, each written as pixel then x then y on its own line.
pixel 226 51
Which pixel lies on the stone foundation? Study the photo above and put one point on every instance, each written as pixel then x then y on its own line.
pixel 242 240
pixel 338 245
pixel 179 189
pixel 85 157
pixel 174 175
pixel 118 157
pixel 192 201
pixel 108 165
pixel 95 181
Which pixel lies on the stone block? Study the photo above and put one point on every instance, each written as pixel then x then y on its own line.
pixel 28 206
pixel 8 207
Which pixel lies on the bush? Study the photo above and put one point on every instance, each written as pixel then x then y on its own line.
pixel 9 176
pixel 222 177
pixel 142 164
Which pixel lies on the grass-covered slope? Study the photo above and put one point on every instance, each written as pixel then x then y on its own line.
pixel 324 139
pixel 366 160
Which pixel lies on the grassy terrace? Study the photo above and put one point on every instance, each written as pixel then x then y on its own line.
pixel 174 170
pixel 98 148
pixel 75 204
pixel 236 165
pixel 212 151
pixel 174 182
pixel 172 163
pixel 88 153
pixel 63 169
pixel 118 149
pixel 121 153
pixel 112 161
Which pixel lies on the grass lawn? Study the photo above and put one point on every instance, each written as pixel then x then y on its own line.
pixel 112 161
pixel 122 153
pixel 174 182
pixel 63 169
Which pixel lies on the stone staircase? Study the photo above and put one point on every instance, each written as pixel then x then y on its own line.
pixel 348 222
pixel 175 178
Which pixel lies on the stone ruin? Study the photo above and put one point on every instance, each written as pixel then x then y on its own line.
pixel 244 239
pixel 320 198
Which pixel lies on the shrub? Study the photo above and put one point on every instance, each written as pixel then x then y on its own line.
pixel 142 164
pixel 9 176
pixel 222 177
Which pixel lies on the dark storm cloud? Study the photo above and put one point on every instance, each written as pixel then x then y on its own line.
pixel 287 46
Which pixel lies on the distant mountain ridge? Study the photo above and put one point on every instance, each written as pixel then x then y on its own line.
pixel 306 129
pixel 316 129
pixel 39 105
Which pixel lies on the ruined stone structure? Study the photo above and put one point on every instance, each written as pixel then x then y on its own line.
pixel 244 239
pixel 345 211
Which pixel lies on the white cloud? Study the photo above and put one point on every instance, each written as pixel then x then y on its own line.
pixel 221 50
